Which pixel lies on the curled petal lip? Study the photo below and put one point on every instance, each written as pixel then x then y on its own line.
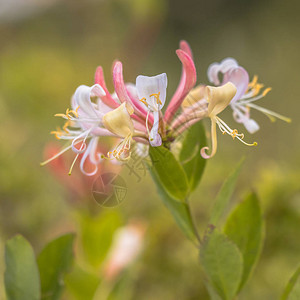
pixel 224 66
pixel 240 78
pixel 82 98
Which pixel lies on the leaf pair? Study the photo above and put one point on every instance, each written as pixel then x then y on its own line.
pixel 25 278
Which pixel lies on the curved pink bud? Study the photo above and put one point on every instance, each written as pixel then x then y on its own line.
pixel 107 99
pixel 184 46
pixel 187 82
pixel 122 93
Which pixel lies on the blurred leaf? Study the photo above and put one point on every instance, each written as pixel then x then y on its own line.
pixel 224 195
pixel 97 234
pixel 179 210
pixel 223 264
pixel 169 172
pixel 212 293
pixel 245 227
pixel 190 158
pixel 81 284
pixel 21 275
pixel 123 288
pixel 292 290
pixel 54 261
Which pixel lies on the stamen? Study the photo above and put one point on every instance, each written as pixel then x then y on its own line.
pixel 266 91
pixel 270 114
pixel 144 101
pixel 68 113
pixel 257 89
pixel 158 101
pixel 147 127
pixel 61 115
pixel 83 146
pixel 55 156
pixel 122 147
pixel 65 126
pixel 57 134
pixel 233 133
pixel 253 82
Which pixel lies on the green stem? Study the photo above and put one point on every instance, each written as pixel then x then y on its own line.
pixel 194 224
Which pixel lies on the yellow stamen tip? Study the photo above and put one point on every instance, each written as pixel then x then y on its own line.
pixel 266 91
pixel 255 144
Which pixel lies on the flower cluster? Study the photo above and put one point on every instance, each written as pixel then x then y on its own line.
pixel 133 112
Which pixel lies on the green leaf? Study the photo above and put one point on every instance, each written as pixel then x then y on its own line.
pixel 292 290
pixel 224 195
pixel 193 163
pixel 97 234
pixel 54 261
pixel 179 210
pixel 245 227
pixel 212 293
pixel 169 172
pixel 81 284
pixel 223 264
pixel 21 275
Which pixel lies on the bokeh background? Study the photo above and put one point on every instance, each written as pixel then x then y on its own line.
pixel 49 47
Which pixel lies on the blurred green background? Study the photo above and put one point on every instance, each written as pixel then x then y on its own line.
pixel 48 48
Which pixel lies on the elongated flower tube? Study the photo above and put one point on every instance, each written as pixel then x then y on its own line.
pixel 247 92
pixel 119 122
pixel 187 81
pixel 218 99
pixel 152 92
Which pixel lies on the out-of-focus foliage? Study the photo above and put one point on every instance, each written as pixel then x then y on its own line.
pixel 54 261
pixel 47 53
pixel 21 274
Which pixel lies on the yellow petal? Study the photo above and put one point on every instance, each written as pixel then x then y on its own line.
pixel 218 98
pixel 194 96
pixel 118 121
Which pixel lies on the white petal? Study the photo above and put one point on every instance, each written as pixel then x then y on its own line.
pixel 83 95
pixel 251 125
pixel 224 66
pixel 212 73
pixel 154 137
pixel 228 63
pixel 84 157
pixel 156 141
pixel 147 86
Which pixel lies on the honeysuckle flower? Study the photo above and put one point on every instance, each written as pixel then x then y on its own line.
pixel 152 92
pixel 83 123
pixel 247 92
pixel 133 112
pixel 218 99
